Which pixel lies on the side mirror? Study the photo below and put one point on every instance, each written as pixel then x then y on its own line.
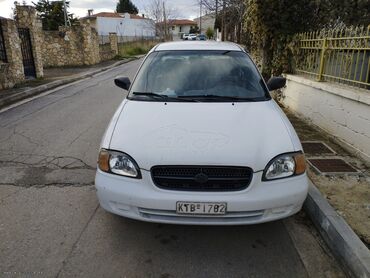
pixel 276 82
pixel 122 82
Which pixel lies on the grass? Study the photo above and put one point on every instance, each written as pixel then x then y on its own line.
pixel 31 83
pixel 129 49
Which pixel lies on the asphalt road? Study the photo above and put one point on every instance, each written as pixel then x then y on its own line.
pixel 51 224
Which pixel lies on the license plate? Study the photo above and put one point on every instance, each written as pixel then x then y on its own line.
pixel 200 208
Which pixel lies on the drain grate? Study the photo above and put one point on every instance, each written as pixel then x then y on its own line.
pixel 316 148
pixel 328 165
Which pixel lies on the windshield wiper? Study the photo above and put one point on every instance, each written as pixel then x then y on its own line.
pixel 165 97
pixel 149 94
pixel 217 97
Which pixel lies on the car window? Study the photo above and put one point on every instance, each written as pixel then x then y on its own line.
pixel 199 73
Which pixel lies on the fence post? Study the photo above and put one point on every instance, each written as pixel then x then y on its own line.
pixel 322 60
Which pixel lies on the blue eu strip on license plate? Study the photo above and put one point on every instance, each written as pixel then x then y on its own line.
pixel 205 208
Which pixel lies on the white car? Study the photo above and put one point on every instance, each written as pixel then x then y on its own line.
pixel 185 36
pixel 198 140
pixel 191 37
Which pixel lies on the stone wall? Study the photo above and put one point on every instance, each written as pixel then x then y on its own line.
pixel 69 46
pixel 26 18
pixel 105 52
pixel 12 71
pixel 342 111
pixel 63 47
pixel 76 46
pixel 109 50
pixel 113 40
pixel 90 43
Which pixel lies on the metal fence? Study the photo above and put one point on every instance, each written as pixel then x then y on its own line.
pixel 339 55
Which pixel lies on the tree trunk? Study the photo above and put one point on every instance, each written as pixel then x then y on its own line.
pixel 223 35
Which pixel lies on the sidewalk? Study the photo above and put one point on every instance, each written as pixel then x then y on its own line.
pixel 343 181
pixel 348 193
pixel 54 77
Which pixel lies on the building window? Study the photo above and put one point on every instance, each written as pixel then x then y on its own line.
pixel 173 28
pixel 2 46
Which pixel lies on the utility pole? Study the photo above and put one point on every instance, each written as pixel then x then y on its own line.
pixel 216 8
pixel 223 30
pixel 216 20
pixel 165 21
pixel 200 17
pixel 66 19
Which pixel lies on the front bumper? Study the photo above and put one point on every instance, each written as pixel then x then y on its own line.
pixel 261 202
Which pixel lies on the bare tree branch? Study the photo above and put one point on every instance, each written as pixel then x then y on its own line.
pixel 161 13
pixel 231 14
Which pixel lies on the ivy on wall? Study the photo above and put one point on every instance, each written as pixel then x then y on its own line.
pixel 270 26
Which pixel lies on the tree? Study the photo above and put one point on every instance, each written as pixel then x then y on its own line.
pixel 161 14
pixel 210 33
pixel 194 29
pixel 350 12
pixel 126 6
pixel 229 17
pixel 271 25
pixel 52 14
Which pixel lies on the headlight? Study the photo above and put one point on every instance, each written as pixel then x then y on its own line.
pixel 118 163
pixel 285 165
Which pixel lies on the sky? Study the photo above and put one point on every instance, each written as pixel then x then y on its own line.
pixel 184 8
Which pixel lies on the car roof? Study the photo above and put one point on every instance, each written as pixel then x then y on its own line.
pixel 198 45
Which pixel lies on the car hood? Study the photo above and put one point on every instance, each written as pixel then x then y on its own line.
pixel 182 133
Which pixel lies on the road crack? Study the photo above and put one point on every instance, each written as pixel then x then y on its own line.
pixel 28 139
pixel 64 263
pixel 70 162
pixel 52 184
pixel 57 171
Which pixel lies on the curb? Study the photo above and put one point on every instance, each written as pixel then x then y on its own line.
pixel 346 246
pixel 27 93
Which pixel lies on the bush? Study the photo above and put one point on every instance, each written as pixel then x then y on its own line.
pixel 210 33
pixel 137 50
pixel 270 26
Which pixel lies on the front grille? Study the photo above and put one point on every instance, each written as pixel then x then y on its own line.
pixel 202 178
pixel 230 217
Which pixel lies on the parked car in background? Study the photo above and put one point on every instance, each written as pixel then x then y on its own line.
pixel 192 37
pixel 202 37
pixel 185 36
pixel 199 140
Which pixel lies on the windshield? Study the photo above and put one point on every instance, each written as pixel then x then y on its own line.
pixel 199 75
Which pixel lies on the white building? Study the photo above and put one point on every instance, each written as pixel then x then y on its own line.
pixel 127 26
pixel 208 21
pixel 178 27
